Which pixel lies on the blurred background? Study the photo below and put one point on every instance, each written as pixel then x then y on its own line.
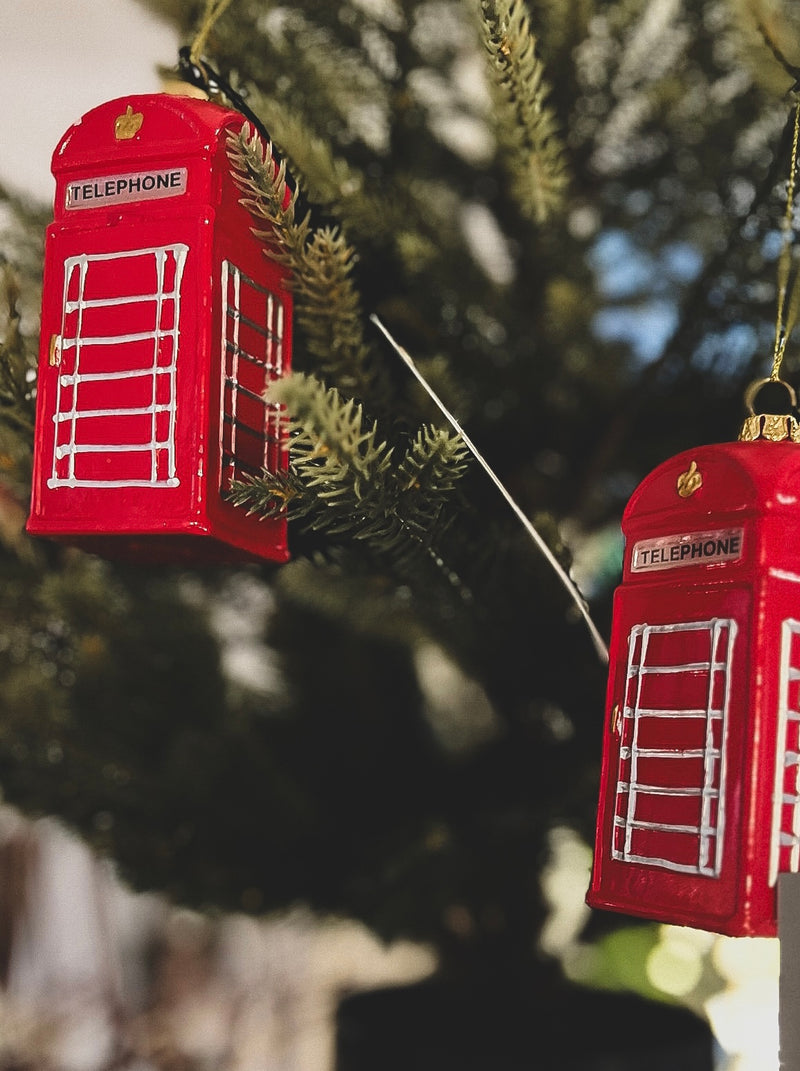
pixel 338 814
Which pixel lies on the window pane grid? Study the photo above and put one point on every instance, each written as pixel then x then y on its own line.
pixel 671 779
pixel 115 394
pixel 785 848
pixel 252 436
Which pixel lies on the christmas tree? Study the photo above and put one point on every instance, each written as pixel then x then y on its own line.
pixel 569 214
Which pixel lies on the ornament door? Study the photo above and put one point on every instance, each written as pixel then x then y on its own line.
pixel 116 359
pixel 672 728
pixel 678 736
pixel 253 328
pixel 785 842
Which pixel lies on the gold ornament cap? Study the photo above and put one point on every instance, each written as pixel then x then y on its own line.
pixel 776 421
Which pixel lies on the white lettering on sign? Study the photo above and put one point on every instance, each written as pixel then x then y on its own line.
pixel 119 189
pixel 693 548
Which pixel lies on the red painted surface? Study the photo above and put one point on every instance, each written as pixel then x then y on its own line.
pixel 162 323
pixel 700 782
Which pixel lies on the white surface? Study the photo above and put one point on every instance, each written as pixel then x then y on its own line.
pixel 58 59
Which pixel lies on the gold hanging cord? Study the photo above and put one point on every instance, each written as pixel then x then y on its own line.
pixel 214 10
pixel 783 425
pixel 786 317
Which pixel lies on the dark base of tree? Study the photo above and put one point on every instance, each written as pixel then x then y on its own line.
pixel 434 1027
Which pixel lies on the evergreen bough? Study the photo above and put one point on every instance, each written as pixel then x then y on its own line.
pixel 526 127
pixel 343 479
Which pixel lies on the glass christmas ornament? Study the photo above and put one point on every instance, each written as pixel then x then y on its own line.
pixel 700 784
pixel 163 321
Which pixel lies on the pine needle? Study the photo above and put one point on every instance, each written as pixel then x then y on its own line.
pixel 343 480
pixel 526 127
pixel 321 262
pixel 16 394
pixel 330 181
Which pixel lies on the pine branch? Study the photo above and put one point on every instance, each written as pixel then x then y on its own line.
pixel 342 480
pixel 526 126
pixel 267 495
pixel 17 407
pixel 329 312
pixel 16 395
pixel 562 24
pixel 331 443
pixel 335 459
pixel 331 182
pixel 428 474
pixel 326 178
pixel 415 222
pixel 331 77
pixel 327 307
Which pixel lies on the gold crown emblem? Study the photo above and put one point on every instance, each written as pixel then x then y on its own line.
pixel 128 124
pixel 689 481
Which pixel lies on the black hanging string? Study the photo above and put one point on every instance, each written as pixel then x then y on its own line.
pixel 203 76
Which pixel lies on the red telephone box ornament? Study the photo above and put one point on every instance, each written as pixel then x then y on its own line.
pixel 163 321
pixel 700 784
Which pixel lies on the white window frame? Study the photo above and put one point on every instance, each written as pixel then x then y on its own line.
pixel 786 757
pixel 709 834
pixel 70 416
pixel 233 279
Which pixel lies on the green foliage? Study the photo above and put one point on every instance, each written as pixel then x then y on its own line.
pixel 329 179
pixel 526 125
pixel 321 262
pixel 16 392
pixel 343 480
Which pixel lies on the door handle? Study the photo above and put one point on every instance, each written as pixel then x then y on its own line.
pixel 616 720
pixel 55 351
